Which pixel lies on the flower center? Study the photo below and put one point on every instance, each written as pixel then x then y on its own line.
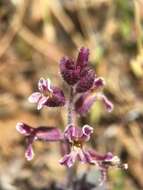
pixel 77 143
pixel 48 93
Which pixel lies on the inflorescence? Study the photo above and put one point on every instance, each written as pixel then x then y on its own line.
pixel 85 89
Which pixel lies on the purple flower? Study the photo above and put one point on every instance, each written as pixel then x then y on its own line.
pixel 76 137
pixel 86 100
pixel 86 81
pixel 74 71
pixel 48 95
pixel 40 133
pixel 104 162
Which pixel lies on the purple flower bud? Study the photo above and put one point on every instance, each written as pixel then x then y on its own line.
pixel 86 81
pixel 82 59
pixel 69 70
pixel 40 133
pixel 48 96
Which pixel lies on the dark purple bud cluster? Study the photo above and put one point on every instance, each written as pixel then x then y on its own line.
pixel 84 81
pixel 84 91
pixel 77 72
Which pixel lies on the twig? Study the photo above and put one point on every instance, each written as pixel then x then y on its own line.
pixel 14 27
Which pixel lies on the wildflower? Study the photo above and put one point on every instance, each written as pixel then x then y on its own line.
pixel 105 161
pixel 76 137
pixel 48 95
pixel 40 133
pixel 86 100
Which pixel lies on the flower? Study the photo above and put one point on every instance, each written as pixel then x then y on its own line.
pixel 77 72
pixel 105 161
pixel 40 133
pixel 48 95
pixel 76 137
pixel 84 102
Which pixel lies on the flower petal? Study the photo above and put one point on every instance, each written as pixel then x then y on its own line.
pixel 24 129
pixel 98 83
pixel 66 160
pixel 49 85
pixel 71 133
pixel 108 105
pixel 87 131
pixel 42 85
pixel 34 98
pixel 48 133
pixel 29 154
pixel 84 103
pixel 42 102
pixel 69 159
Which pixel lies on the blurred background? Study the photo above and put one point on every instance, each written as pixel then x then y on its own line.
pixel 34 35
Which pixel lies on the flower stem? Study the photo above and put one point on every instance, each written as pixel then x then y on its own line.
pixel 70 107
pixel 71 172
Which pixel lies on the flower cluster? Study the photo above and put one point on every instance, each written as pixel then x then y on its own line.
pixel 85 83
pixel 86 88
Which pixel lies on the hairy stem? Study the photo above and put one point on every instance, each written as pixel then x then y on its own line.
pixel 70 107
pixel 71 172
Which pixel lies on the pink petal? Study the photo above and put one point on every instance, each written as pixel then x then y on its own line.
pixel 49 85
pixel 81 156
pixel 42 84
pixel 87 130
pixel 84 103
pixel 109 106
pixel 98 82
pixel 72 132
pixel 29 154
pixel 23 128
pixel 34 98
pixel 41 102
pixel 69 159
